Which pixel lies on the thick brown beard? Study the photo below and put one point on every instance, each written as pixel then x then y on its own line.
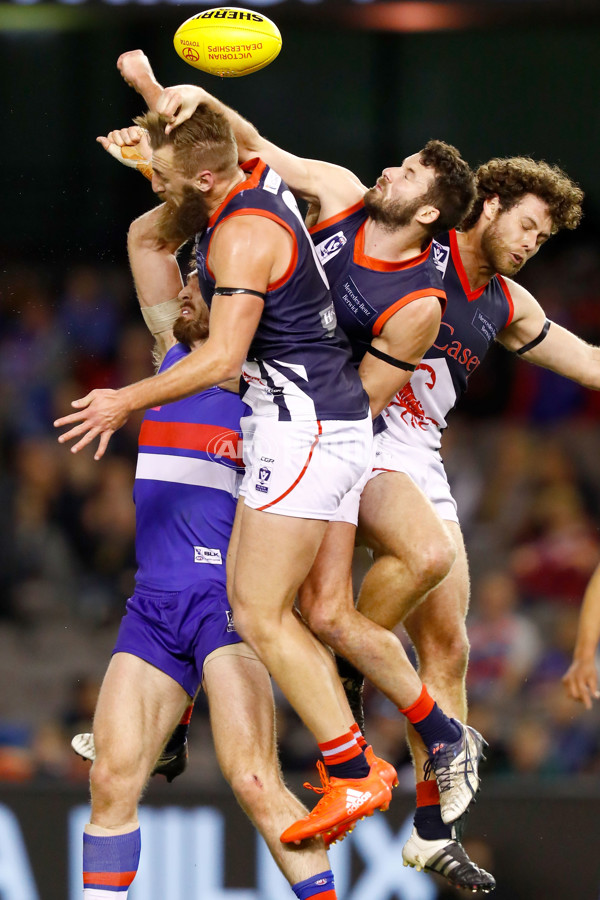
pixel 492 252
pixel 181 221
pixel 191 330
pixel 391 214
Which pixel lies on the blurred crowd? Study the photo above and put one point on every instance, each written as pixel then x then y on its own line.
pixel 522 455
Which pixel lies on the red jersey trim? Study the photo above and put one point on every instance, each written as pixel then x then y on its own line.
pixel 251 211
pixel 509 298
pixel 380 265
pixel 302 473
pixel 256 167
pixel 399 304
pixel 337 218
pixel 188 436
pixel 460 270
pixel 116 879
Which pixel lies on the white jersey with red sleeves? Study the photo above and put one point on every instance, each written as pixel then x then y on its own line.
pixel 472 319
pixel 187 480
pixel 298 365
pixel 367 291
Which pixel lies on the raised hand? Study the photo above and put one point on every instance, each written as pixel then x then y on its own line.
pixel 99 414
pixel 131 147
pixel 179 103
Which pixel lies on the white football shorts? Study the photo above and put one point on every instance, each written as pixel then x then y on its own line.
pixel 423 466
pixel 303 468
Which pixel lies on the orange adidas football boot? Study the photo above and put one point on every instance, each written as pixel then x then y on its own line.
pixel 344 800
pixel 387 773
pixel 386 770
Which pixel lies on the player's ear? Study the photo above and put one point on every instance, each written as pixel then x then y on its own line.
pixel 428 214
pixel 491 205
pixel 204 180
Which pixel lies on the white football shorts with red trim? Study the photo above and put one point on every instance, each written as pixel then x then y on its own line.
pixel 303 469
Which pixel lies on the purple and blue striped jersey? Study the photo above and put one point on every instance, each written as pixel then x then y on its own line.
pixel 186 485
pixel 298 365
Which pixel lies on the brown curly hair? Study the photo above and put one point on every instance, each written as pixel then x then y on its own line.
pixel 453 190
pixel 510 179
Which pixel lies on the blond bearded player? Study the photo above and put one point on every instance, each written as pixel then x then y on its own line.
pixel 304 448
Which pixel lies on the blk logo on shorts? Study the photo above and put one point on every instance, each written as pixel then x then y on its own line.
pixel 230 623
pixel 208 555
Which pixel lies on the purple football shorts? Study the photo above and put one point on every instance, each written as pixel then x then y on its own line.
pixel 176 630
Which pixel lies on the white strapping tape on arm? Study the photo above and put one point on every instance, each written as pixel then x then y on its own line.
pixel 161 317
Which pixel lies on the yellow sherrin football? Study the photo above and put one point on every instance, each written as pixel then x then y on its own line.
pixel 228 41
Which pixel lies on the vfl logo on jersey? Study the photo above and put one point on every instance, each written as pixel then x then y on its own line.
pixel 440 256
pixel 482 324
pixel 331 246
pixel 264 474
pixel 328 319
pixel 208 555
pixel 230 622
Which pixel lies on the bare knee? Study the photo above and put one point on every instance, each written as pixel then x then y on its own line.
pixel 432 563
pixel 251 787
pixel 115 784
pixel 325 611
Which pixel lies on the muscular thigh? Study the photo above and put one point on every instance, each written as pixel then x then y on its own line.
pixel 274 555
pixel 137 709
pixel 396 517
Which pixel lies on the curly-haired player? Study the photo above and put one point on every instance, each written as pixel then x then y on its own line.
pixel 520 203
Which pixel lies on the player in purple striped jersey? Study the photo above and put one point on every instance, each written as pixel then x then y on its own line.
pixel 178 631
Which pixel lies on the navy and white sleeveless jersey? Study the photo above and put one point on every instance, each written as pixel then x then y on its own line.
pixel 186 485
pixel 298 365
pixel 471 321
pixel 367 291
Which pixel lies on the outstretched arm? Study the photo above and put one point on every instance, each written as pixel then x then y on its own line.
pixel 332 187
pixel 581 679
pixel 560 350
pixel 155 269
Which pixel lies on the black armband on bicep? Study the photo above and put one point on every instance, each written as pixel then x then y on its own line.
pixel 536 340
pixel 229 292
pixel 408 367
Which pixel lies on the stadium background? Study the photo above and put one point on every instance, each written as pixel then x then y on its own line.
pixel 362 85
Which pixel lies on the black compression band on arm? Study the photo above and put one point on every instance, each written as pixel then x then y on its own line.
pixel 536 340
pixel 229 292
pixel 390 359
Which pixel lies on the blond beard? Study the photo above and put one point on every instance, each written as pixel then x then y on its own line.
pixel 179 222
